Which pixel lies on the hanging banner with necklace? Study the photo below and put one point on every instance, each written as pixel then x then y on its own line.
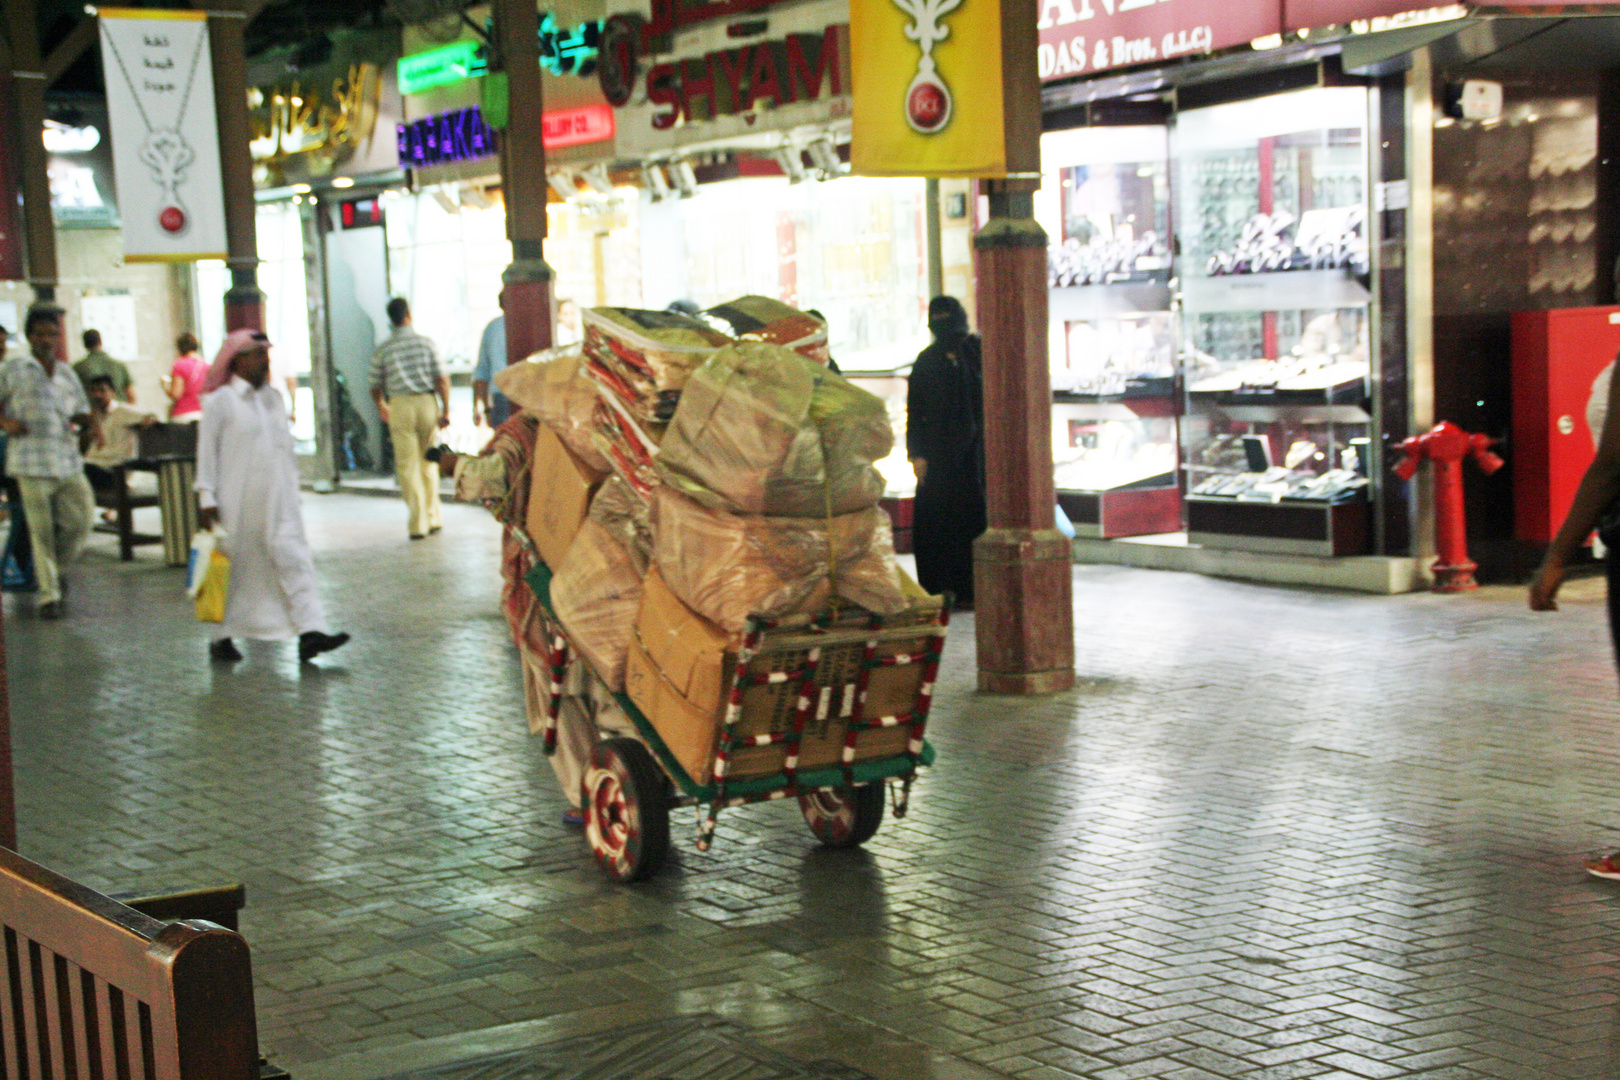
pixel 160 105
pixel 927 98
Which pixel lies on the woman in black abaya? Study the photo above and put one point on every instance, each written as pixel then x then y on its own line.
pixel 945 442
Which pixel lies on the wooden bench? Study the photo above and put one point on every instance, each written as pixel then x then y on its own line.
pixel 169 451
pixel 92 988
pixel 123 503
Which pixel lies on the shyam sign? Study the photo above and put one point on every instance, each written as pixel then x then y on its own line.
pixel 799 67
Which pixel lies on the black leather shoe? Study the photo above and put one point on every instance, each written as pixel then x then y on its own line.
pixel 312 643
pixel 223 650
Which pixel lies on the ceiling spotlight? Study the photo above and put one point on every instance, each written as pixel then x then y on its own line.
pixel 653 179
pixel 685 179
pixel 597 177
pixel 787 157
pixel 825 156
pixel 563 184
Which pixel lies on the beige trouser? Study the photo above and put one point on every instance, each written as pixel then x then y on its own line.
pixel 59 514
pixel 413 421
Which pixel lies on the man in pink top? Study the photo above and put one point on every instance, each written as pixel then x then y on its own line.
pixel 184 384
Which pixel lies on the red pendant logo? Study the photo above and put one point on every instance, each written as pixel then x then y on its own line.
pixel 927 106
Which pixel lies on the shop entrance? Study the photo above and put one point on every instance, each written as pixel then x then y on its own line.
pixel 356 302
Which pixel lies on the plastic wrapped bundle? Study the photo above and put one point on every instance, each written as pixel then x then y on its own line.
pixel 553 386
pixel 627 517
pixel 596 593
pixel 629 447
pixel 763 430
pixel 727 566
pixel 760 318
pixel 645 357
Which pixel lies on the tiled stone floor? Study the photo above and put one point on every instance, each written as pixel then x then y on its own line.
pixel 1275 834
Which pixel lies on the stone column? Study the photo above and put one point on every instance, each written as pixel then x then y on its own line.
pixel 244 302
pixel 28 84
pixel 523 181
pixel 1022 564
pixel 8 799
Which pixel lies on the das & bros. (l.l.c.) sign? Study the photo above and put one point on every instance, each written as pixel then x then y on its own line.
pixel 1084 36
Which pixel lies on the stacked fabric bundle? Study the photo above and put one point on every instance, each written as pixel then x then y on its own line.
pixel 759 318
pixel 645 357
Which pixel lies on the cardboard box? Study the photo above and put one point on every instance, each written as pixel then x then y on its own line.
pixel 560 490
pixel 680 670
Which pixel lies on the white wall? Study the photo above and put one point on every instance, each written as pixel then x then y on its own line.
pixel 91 262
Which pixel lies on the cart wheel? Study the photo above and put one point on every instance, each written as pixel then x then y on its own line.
pixel 626 810
pixel 844 817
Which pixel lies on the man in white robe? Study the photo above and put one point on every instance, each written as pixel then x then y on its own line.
pixel 247 482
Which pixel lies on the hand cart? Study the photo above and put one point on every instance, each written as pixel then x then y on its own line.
pixel 822 668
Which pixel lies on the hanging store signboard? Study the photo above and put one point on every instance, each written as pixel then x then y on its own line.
pixel 447 64
pixel 329 119
pixel 1391 14
pixel 160 102
pixel 463 134
pixel 800 67
pixel 1083 37
pixel 562 52
pixel 705 82
pixel 459 135
pixel 576 127
pixel 80 167
pixel 927 88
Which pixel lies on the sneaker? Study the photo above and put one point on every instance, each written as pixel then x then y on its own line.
pixel 223 650
pixel 312 643
pixel 574 818
pixel 51 610
pixel 1607 867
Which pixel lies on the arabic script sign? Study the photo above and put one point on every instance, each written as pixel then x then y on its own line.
pixel 304 128
pixel 1081 37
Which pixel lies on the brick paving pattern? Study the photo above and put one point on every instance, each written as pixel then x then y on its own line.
pixel 1276 834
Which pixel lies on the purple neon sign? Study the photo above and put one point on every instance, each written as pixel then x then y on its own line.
pixel 459 135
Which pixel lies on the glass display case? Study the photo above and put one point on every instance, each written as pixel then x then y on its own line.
pixel 1112 335
pixel 1272 220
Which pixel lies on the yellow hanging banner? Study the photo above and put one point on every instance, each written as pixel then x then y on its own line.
pixel 927 88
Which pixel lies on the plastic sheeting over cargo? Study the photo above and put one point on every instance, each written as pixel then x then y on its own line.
pixel 764 430
pixel 553 386
pixel 596 594
pixel 727 566
pixel 627 517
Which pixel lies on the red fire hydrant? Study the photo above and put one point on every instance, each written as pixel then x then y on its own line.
pixel 1446 445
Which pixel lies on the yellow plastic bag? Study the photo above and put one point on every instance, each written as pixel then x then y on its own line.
pixel 215 584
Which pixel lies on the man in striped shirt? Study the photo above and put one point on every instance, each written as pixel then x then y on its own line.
pixel 49 424
pixel 413 398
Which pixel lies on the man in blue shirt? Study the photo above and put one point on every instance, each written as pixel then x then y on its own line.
pixel 491 358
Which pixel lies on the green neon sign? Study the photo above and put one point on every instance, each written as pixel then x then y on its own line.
pixel 440 67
